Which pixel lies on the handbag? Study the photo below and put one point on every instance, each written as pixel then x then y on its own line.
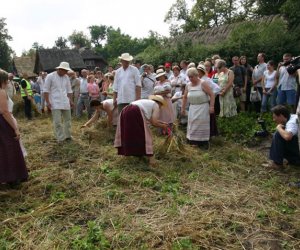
pixel 237 92
pixel 255 95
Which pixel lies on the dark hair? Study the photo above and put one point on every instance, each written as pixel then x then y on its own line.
pixel 287 55
pixel 263 55
pixel 271 62
pixel 281 110
pixel 95 103
pixel 3 77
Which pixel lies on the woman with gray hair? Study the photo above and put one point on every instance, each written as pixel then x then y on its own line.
pixel 225 80
pixel 12 168
pixel 202 101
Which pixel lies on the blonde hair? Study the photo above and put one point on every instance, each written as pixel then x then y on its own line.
pixel 192 72
pixel 90 76
pixel 3 77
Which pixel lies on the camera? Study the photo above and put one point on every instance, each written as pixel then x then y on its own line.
pixel 264 132
pixel 293 65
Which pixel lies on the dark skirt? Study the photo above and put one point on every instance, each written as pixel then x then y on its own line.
pixel 213 125
pixel 12 163
pixel 133 141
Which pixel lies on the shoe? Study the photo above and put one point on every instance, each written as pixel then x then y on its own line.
pixel 295 184
pixel 68 139
pixel 274 166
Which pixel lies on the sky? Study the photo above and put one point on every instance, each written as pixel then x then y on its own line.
pixel 42 21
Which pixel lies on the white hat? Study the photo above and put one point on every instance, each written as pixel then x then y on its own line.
pixel 201 67
pixel 159 73
pixel 157 98
pixel 158 89
pixel 191 65
pixel 64 65
pixel 126 57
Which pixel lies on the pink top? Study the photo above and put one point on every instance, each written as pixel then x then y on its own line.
pixel 93 90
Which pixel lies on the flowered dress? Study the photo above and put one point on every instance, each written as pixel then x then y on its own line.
pixel 227 102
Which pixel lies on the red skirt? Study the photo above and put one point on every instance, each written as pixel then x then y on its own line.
pixel 12 163
pixel 132 132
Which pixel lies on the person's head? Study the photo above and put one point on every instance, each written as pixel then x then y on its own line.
pixel 168 67
pixel 10 76
pixel 44 74
pixel 24 75
pixel 110 69
pixel 96 104
pixel 137 64
pixel 3 79
pixel 147 69
pixel 193 75
pixel 125 60
pixel 261 57
pixel 235 60
pixel 287 57
pixel 281 114
pixel 243 60
pixel 270 65
pixel 71 74
pixel 84 73
pixel 221 65
pixel 191 65
pixel 208 66
pixel 201 70
pixel 158 99
pixel 151 68
pixel 184 64
pixel 109 77
pixel 214 58
pixel 176 70
pixel 63 68
pixel 161 75
pixel 91 78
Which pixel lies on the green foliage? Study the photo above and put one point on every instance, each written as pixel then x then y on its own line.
pixel 94 238
pixel 78 39
pixel 61 43
pixel 98 34
pixel 5 50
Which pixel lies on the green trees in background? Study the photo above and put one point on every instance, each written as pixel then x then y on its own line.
pixel 5 50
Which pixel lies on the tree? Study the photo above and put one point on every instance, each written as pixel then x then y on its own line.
pixel 269 7
pixel 291 10
pixel 61 43
pixel 98 34
pixel 34 47
pixel 5 50
pixel 78 39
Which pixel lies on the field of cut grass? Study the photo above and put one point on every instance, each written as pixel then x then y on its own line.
pixel 81 195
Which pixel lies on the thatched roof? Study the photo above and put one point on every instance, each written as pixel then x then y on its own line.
pixel 48 59
pixel 88 54
pixel 217 34
pixel 24 64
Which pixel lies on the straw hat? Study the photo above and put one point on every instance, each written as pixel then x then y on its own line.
pixel 126 57
pixel 201 67
pixel 158 98
pixel 64 65
pixel 159 73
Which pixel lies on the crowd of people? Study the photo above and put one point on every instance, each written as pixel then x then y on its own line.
pixel 134 96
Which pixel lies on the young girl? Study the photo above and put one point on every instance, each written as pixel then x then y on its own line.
pixel 93 88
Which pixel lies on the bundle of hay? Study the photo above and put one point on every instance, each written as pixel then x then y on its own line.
pixel 174 142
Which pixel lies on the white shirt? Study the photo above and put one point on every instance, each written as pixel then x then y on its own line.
pixel 292 125
pixel 41 82
pixel 125 84
pixel 148 83
pixel 269 79
pixel 83 86
pixel 110 103
pixel 58 88
pixel 177 82
pixel 147 107
pixel 213 86
pixel 258 72
pixel 286 81
pixel 10 89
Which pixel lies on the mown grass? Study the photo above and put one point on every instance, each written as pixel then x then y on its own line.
pixel 81 195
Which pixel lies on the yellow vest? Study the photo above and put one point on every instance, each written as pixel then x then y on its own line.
pixel 28 88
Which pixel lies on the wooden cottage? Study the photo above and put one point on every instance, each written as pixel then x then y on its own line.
pixel 92 59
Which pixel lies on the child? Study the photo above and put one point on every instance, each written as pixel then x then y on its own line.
pixel 177 103
pixel 93 88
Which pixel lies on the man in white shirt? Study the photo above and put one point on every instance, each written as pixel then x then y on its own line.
pixel 58 95
pixel 285 139
pixel 127 83
pixel 83 100
pixel 41 82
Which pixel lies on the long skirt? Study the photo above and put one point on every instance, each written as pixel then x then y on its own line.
pixel 198 123
pixel 12 163
pixel 133 136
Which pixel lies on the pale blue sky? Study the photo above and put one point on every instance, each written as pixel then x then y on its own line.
pixel 43 21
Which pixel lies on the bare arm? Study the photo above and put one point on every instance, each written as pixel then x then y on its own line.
pixel 229 83
pixel 208 91
pixel 184 100
pixel 138 91
pixel 286 135
pixel 5 112
pixel 154 119
pixel 115 96
pixel 92 120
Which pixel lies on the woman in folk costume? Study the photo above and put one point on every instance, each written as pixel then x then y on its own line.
pixel 133 135
pixel 12 164
pixel 202 101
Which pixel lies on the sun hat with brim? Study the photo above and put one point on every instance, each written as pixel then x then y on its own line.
pixel 126 57
pixel 64 65
pixel 159 73
pixel 158 98
pixel 201 67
